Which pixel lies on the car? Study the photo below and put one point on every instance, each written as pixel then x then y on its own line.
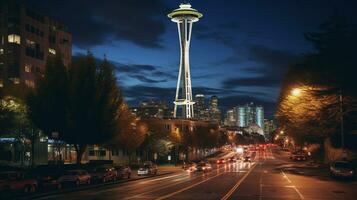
pixel 221 161
pixel 191 167
pixel 123 171
pixel 103 174
pixel 342 169
pixel 47 178
pixel 247 159
pixel 148 168
pixel 232 159
pixel 48 181
pixel 76 177
pixel 299 157
pixel 17 181
pixel 203 166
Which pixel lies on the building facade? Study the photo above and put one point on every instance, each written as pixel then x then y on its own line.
pixel 249 114
pixel 151 109
pixel 27 39
pixel 214 111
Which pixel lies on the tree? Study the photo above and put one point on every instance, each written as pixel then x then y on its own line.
pixel 7 117
pixel 322 76
pixel 81 103
pixel 132 132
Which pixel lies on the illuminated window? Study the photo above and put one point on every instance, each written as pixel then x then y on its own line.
pixel 52 51
pixel 1 83
pixel 1 51
pixel 27 68
pixel 30 83
pixel 15 80
pixel 13 38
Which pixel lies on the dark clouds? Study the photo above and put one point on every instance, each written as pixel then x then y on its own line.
pixel 94 22
pixel 273 65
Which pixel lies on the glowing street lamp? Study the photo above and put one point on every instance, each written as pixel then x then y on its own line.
pixel 296 92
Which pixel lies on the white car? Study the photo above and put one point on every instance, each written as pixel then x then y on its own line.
pixel 147 169
pixel 76 177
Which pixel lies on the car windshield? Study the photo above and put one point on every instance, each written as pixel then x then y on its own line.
pixel 344 165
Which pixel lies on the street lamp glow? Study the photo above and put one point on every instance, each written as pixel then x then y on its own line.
pixel 296 92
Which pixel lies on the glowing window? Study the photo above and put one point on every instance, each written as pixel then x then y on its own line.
pixel 13 38
pixel 27 68
pixel 1 51
pixel 1 83
pixel 52 51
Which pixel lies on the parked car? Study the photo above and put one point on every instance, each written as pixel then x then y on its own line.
pixel 123 172
pixel 17 181
pixel 76 177
pixel 47 178
pixel 148 168
pixel 342 169
pixel 47 181
pixel 204 167
pixel 103 174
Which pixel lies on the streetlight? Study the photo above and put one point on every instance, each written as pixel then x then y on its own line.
pixel 296 92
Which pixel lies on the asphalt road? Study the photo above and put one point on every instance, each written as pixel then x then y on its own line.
pixel 269 176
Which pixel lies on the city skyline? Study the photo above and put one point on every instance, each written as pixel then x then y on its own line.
pixel 244 56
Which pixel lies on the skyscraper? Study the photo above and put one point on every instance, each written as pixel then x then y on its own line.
pixel 27 39
pixel 250 114
pixel 214 112
pixel 184 16
pixel 200 106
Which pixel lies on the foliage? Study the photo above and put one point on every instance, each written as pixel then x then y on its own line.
pixel 80 103
pixel 322 76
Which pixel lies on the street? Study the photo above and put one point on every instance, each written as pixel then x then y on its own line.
pixel 270 175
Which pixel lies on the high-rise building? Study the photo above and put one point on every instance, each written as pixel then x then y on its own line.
pixel 269 127
pixel 250 114
pixel 200 106
pixel 230 118
pixel 214 112
pixel 27 39
pixel 184 16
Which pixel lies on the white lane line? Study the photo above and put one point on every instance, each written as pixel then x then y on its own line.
pixel 175 183
pixel 188 187
pixel 293 186
pixel 230 192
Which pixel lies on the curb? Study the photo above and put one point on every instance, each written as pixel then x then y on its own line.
pixel 69 190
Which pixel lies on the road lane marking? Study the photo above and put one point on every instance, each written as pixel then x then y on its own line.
pixel 230 192
pixel 175 183
pixel 293 186
pixel 188 187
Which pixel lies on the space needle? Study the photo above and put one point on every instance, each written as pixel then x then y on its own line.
pixel 184 16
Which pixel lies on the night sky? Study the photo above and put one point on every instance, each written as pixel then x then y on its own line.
pixel 239 50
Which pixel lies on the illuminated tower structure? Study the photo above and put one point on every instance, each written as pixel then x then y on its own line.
pixel 184 16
